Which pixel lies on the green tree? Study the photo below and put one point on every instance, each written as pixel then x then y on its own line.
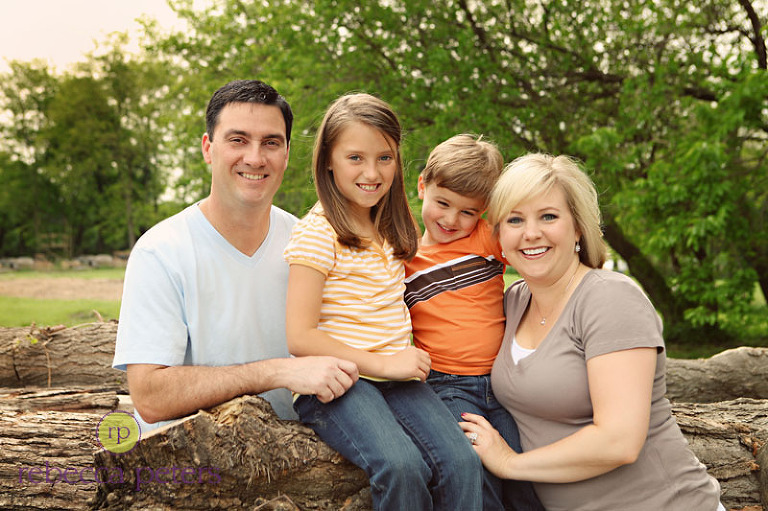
pixel 664 101
pixel 29 199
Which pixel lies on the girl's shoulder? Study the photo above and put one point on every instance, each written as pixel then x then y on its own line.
pixel 314 221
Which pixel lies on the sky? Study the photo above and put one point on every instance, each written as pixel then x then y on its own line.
pixel 63 31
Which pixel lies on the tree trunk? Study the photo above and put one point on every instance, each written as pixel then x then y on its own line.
pixel 58 356
pixel 670 305
pixel 84 400
pixel 241 455
pixel 251 458
pixel 40 452
pixel 232 455
pixel 727 438
pixel 739 372
pixel 82 356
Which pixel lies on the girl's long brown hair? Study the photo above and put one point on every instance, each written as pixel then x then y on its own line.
pixel 392 217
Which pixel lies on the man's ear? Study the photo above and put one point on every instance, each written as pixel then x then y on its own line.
pixel 421 187
pixel 206 147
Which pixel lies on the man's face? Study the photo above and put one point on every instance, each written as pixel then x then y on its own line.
pixel 248 154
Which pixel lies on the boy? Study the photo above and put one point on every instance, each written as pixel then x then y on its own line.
pixel 455 293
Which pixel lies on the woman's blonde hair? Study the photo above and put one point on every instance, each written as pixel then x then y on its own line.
pixel 392 217
pixel 536 174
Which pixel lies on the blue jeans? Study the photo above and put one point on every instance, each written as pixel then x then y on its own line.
pixel 473 394
pixel 407 442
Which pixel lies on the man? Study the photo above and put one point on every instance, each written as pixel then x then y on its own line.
pixel 203 311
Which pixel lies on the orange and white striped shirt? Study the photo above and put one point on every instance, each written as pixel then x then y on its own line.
pixel 363 303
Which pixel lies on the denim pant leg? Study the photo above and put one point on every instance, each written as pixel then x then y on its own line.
pixel 456 468
pixel 361 427
pixel 473 394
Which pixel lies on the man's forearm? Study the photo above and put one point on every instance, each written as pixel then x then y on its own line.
pixel 163 393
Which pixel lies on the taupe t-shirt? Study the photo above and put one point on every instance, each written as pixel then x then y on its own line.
pixel 548 394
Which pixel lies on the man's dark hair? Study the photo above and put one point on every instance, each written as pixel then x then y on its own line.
pixel 246 91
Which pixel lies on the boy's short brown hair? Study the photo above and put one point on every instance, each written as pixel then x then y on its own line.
pixel 464 164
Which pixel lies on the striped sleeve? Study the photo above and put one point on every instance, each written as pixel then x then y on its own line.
pixel 312 244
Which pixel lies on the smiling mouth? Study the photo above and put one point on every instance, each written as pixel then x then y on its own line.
pixel 368 188
pixel 253 177
pixel 534 251
pixel 446 229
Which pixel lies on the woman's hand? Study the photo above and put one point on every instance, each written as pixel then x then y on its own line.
pixel 493 450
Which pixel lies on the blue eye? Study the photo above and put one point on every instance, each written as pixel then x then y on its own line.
pixel 548 217
pixel 514 220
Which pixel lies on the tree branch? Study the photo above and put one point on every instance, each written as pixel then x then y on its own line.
pixel 758 41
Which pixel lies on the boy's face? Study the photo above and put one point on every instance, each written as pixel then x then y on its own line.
pixel 447 215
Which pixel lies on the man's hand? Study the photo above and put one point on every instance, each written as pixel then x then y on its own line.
pixel 325 377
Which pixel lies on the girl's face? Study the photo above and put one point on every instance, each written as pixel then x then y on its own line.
pixel 538 237
pixel 364 162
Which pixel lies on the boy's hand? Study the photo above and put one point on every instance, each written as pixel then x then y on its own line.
pixel 412 362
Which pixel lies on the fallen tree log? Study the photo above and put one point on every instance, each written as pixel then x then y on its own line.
pixel 255 455
pixel 734 373
pixel 730 439
pixel 46 357
pixel 260 460
pixel 43 456
pixel 79 399
pixel 233 455
pixel 59 357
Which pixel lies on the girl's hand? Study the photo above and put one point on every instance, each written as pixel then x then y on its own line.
pixel 412 362
pixel 494 452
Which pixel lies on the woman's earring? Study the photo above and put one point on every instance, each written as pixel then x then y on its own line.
pixel 577 248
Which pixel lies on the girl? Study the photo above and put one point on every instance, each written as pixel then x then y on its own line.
pixel 345 299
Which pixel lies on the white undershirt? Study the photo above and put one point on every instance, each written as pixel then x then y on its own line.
pixel 518 352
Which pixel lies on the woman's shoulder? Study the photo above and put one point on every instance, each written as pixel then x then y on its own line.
pixel 516 292
pixel 606 292
pixel 607 281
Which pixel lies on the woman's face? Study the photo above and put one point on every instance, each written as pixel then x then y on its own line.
pixel 538 237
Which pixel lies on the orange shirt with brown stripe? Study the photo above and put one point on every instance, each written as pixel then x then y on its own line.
pixel 455 293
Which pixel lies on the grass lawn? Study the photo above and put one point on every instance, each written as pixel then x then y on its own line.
pixel 23 311
pixel 44 312
pixel 90 273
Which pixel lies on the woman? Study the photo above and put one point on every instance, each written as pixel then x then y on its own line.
pixel 582 366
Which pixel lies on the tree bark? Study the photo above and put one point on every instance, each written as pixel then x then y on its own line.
pixel 734 373
pixel 60 357
pixel 728 438
pixel 43 445
pixel 85 400
pixel 265 463
pixel 255 460
pixel 82 356
pixel 234 454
